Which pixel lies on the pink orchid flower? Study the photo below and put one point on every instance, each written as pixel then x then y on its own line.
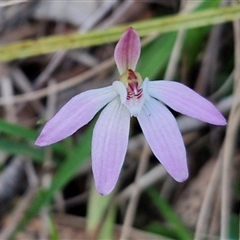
pixel 131 96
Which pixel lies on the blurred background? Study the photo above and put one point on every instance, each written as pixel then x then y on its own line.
pixel 48 193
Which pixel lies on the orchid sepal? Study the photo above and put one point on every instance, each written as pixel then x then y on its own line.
pixel 127 51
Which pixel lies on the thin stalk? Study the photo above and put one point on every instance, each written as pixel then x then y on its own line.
pixel 132 206
pixel 230 140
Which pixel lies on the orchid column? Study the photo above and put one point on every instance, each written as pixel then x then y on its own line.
pixel 131 95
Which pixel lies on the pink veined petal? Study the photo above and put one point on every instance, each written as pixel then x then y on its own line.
pixel 77 112
pixel 133 105
pixel 184 100
pixel 127 51
pixel 164 138
pixel 109 145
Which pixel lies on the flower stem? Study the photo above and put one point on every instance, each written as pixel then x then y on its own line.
pixel 132 206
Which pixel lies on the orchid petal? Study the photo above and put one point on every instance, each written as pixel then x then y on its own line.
pixel 135 104
pixel 120 88
pixel 164 138
pixel 109 145
pixel 184 100
pixel 74 114
pixel 145 86
pixel 127 51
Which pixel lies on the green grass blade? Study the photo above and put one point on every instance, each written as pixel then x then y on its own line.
pixel 66 171
pixel 21 148
pixel 51 44
pixel 20 132
pixel 17 130
pixel 155 56
pixel 170 215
